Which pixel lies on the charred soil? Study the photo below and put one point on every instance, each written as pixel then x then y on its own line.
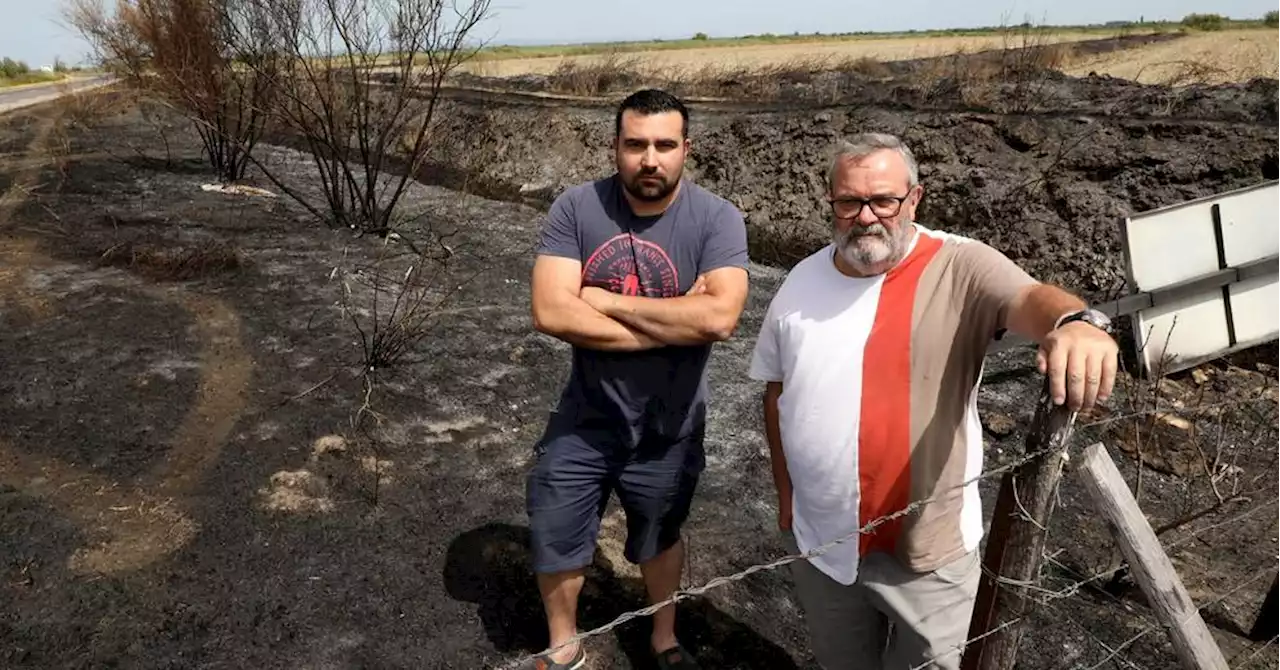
pixel 181 484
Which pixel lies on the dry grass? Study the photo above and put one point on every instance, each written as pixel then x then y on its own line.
pixel 1210 58
pixel 164 263
pixel 758 57
pixel 1011 80
pixel 1007 76
pixel 615 72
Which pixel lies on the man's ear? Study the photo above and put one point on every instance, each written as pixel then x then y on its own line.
pixel 917 194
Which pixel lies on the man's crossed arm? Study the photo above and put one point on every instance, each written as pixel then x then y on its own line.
pixel 707 313
pixel 595 318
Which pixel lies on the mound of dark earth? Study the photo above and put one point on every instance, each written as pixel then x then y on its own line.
pixel 1050 188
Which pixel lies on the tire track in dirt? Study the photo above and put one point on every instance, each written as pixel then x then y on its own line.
pixel 22 161
pixel 140 522
pixel 14 256
pixel 126 527
pixel 36 158
pixel 129 525
pixel 225 369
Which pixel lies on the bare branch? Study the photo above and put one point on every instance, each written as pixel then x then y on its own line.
pixel 212 60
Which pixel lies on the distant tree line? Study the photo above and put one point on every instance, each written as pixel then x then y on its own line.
pixel 1219 22
pixel 12 69
pixel 18 71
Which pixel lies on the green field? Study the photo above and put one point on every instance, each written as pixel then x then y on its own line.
pixel 29 78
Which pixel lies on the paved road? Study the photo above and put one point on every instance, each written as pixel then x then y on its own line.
pixel 24 96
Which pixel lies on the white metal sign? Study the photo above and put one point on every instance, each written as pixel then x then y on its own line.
pixel 1183 246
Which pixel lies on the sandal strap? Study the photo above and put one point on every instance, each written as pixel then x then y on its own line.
pixel 676 658
pixel 544 662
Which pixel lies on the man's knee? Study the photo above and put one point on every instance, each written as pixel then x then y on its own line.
pixel 845 630
pixel 657 496
pixel 564 497
pixel 654 528
pixel 932 613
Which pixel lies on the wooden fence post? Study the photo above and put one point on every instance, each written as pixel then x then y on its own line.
pixel 1192 641
pixel 1015 542
pixel 1264 626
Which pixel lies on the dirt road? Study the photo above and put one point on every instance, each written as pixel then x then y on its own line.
pixel 24 96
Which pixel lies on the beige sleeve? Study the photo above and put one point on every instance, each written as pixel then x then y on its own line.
pixel 991 281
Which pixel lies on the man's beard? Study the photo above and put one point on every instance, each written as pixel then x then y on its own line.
pixel 868 249
pixel 651 190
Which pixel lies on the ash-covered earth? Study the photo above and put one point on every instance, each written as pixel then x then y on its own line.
pixel 184 481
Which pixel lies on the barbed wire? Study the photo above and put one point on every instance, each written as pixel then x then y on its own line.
pixel 685 594
pixel 965 645
pixel 1261 648
pixel 1228 521
pixel 1109 572
pixel 1155 626
pixel 1059 612
pixel 1046 596
pixel 1114 653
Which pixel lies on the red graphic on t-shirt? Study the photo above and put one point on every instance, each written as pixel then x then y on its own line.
pixel 630 266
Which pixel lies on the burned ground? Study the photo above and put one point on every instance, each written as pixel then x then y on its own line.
pixel 293 540
pixel 181 484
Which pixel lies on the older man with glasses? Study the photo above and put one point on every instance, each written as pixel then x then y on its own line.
pixel 871 353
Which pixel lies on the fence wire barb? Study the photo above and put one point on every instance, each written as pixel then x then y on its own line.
pixel 1158 625
pixel 1114 653
pixel 685 594
pixel 1256 652
pixel 965 645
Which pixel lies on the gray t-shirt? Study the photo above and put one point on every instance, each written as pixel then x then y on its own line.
pixel 660 392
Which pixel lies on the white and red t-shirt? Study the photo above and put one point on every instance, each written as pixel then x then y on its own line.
pixel 879 405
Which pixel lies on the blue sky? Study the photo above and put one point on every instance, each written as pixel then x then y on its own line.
pixel 32 29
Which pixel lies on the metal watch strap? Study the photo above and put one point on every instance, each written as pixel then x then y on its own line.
pixel 1079 315
pixel 1068 318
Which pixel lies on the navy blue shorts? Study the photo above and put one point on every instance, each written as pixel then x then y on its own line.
pixel 576 470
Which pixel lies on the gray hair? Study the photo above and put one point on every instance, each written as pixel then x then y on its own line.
pixel 864 144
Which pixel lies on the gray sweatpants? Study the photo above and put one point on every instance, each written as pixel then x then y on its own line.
pixel 849 626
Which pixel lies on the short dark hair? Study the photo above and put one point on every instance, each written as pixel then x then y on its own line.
pixel 652 101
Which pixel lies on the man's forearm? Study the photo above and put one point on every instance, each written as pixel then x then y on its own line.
pixel 1034 313
pixel 577 323
pixel 773 436
pixel 689 319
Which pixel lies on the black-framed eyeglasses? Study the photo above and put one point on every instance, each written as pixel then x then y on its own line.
pixel 883 206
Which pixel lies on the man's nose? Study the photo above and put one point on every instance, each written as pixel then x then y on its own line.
pixel 649 158
pixel 866 217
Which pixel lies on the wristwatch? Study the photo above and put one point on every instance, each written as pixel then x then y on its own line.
pixel 1090 316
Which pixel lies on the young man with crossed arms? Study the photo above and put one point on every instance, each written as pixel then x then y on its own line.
pixel 641 272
